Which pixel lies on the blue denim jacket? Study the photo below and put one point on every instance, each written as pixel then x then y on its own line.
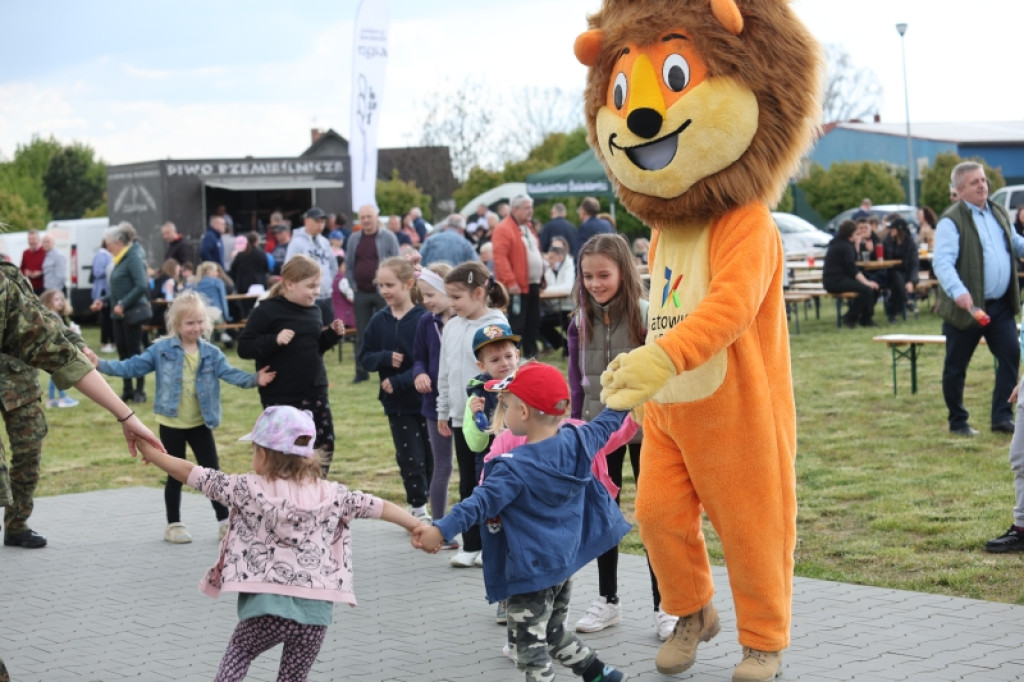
pixel 167 357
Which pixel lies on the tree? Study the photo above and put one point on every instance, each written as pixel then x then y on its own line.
pixel 845 184
pixel 935 180
pixel 461 121
pixel 395 196
pixel 17 215
pixel 74 182
pixel 850 93
pixel 538 114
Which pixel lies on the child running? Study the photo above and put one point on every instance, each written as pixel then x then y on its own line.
pixel 285 332
pixel 610 318
pixel 289 553
pixel 474 296
pixel 54 301
pixel 547 517
pixel 188 373
pixel 426 354
pixel 387 349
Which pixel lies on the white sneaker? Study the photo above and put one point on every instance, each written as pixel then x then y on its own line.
pixel 177 534
pixel 664 623
pixel 509 650
pixel 108 348
pixel 600 615
pixel 464 559
pixel 479 560
pixel 421 513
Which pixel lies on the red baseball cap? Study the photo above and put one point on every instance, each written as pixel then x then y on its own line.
pixel 538 385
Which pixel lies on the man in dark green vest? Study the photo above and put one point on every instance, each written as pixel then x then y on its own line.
pixel 975 255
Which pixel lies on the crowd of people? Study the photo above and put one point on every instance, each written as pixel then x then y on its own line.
pixel 439 318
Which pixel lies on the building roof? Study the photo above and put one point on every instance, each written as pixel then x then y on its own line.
pixel 979 132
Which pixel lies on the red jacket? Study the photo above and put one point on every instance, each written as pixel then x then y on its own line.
pixel 510 265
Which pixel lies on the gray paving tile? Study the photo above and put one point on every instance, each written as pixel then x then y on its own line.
pixel 109 600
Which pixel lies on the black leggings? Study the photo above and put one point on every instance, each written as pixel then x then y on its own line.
pixel 413 454
pixel 608 563
pixel 200 439
pixel 469 476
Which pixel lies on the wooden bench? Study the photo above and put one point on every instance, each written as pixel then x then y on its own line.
pixel 905 346
pixel 793 301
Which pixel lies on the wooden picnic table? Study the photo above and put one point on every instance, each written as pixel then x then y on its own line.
pixel 878 264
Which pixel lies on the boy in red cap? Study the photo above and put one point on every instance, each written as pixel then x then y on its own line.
pixel 546 517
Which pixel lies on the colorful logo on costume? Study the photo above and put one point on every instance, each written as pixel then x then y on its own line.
pixel 494 525
pixel 671 288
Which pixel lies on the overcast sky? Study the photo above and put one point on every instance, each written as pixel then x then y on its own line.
pixel 150 80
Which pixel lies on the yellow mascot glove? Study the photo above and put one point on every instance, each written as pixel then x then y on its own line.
pixel 634 377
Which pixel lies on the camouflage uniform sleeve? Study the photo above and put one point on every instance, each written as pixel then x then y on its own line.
pixel 32 336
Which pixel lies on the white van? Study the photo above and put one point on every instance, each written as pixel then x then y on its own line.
pixel 1010 197
pixel 78 240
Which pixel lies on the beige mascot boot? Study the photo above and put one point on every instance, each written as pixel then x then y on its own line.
pixel 679 652
pixel 758 666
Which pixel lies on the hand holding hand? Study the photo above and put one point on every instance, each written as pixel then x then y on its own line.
pixel 92 356
pixel 428 538
pixel 264 376
pixel 285 336
pixel 634 377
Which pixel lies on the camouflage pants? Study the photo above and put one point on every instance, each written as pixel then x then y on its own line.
pixel 536 623
pixel 26 428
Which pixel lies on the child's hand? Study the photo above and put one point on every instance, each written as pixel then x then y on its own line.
pixel 338 326
pixel 422 383
pixel 92 356
pixel 476 404
pixel 386 386
pixel 264 376
pixel 427 538
pixel 444 429
pixel 396 359
pixel 285 336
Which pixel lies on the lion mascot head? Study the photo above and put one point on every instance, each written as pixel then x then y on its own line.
pixel 698 106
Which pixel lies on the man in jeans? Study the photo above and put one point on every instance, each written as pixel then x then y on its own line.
pixel 366 249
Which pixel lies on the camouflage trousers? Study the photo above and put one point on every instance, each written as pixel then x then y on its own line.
pixel 26 429
pixel 536 624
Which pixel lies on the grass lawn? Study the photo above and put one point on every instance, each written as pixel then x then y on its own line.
pixel 887 497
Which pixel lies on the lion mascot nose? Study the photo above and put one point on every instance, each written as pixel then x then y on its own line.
pixel 644 122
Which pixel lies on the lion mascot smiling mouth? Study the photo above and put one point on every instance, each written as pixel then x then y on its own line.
pixel 700 111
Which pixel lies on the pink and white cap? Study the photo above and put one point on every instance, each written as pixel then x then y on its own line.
pixel 280 426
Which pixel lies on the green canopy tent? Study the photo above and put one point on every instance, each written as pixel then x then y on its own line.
pixel 580 176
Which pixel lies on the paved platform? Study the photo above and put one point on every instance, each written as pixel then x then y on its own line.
pixel 110 600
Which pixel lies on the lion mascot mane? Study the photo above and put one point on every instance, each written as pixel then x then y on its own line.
pixel 700 111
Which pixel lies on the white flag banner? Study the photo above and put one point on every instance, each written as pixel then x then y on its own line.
pixel 369 60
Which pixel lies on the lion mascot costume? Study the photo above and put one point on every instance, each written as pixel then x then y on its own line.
pixel 700 111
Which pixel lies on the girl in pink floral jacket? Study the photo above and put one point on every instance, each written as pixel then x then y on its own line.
pixel 288 553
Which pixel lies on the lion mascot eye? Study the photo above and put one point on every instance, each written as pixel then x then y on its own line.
pixel 619 93
pixel 675 72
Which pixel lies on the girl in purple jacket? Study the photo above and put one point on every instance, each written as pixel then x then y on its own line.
pixel 426 357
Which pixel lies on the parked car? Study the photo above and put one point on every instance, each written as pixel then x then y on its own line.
pixel 907 212
pixel 799 237
pixel 1010 197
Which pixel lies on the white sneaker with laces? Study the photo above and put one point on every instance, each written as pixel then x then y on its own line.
pixel 464 559
pixel 177 534
pixel 599 616
pixel 664 623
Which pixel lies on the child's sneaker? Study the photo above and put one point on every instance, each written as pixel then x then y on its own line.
pixel 509 650
pixel 421 513
pixel 599 616
pixel 67 401
pixel 664 623
pixel 177 534
pixel 108 348
pixel 464 559
pixel 610 674
pixel 51 402
pixel 501 617
pixel 758 666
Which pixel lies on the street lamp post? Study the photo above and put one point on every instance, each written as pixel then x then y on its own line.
pixel 902 28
